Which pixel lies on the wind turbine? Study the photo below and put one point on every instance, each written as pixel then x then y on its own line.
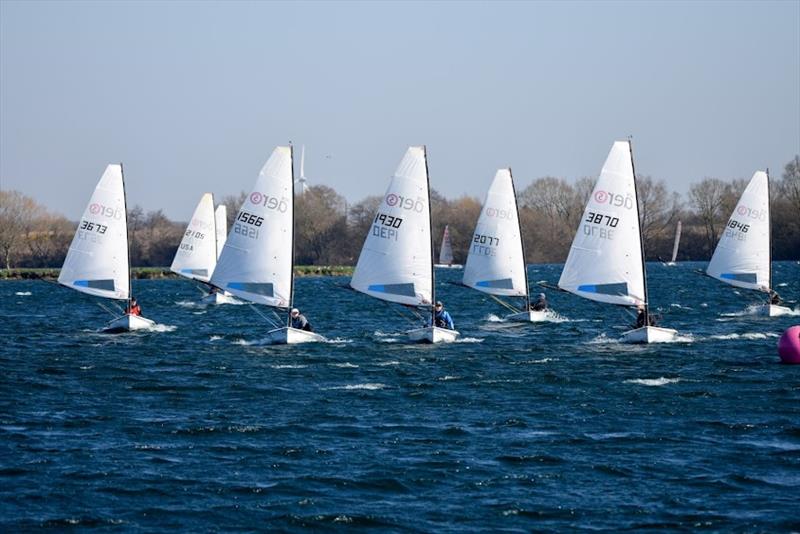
pixel 301 184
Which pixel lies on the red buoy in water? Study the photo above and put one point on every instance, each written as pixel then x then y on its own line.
pixel 789 345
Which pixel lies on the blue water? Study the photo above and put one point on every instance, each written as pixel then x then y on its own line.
pixel 549 426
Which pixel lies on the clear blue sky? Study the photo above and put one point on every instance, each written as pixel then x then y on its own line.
pixel 192 97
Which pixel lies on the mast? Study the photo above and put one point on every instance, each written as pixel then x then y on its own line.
pixel 641 238
pixel 522 244
pixel 216 243
pixel 430 232
pixel 769 230
pixel 127 236
pixel 291 268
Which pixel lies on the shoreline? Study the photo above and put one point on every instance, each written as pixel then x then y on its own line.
pixel 158 273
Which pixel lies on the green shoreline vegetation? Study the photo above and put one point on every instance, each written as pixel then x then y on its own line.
pixel 154 273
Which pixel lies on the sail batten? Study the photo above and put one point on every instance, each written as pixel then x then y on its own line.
pixel 256 261
pixel 606 253
pixel 742 256
pixel 395 263
pixel 495 263
pixel 97 260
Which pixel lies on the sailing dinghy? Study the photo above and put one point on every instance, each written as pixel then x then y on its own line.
pixel 396 261
pixel 743 257
pixel 606 260
pixel 257 261
pixel 98 260
pixel 446 251
pixel 197 254
pixel 496 259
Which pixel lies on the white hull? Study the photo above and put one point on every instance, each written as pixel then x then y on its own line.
pixel 448 266
pixel 291 336
pixel 219 298
pixel 432 334
pixel 649 334
pixel 772 310
pixel 128 323
pixel 528 316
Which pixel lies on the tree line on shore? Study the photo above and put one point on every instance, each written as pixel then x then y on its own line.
pixel 329 231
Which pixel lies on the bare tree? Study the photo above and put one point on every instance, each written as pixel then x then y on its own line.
pixel 789 185
pixel 320 226
pixel 658 208
pixel 708 198
pixel 17 213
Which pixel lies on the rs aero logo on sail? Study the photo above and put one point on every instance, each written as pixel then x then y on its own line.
pixel 271 203
pixel 614 199
pixel 744 211
pixel 406 203
pixel 105 211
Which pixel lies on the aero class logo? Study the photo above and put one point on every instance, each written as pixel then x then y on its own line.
pixel 406 203
pixel 105 211
pixel 272 203
pixel 614 199
pixel 500 214
pixel 744 211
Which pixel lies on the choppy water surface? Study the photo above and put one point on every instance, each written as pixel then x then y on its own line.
pixel 548 426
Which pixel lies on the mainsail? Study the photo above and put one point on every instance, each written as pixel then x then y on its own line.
pixel 395 263
pixel 97 260
pixel 256 261
pixel 742 256
pixel 221 218
pixel 605 261
pixel 677 242
pixel 446 250
pixel 496 263
pixel 197 253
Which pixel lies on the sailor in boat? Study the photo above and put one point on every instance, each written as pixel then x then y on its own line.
pixel 540 304
pixel 640 321
pixel 774 298
pixel 442 319
pixel 299 321
pixel 133 308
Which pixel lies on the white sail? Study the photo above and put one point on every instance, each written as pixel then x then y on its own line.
pixel 221 218
pixel 742 255
pixel 395 262
pixel 495 263
pixel 605 260
pixel 446 250
pixel 256 261
pixel 677 242
pixel 197 253
pixel 97 260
